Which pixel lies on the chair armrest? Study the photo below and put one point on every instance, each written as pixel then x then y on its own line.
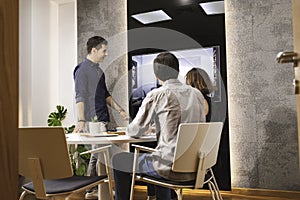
pixel 139 147
pixel 98 150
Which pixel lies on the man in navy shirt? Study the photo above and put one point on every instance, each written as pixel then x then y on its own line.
pixel 92 96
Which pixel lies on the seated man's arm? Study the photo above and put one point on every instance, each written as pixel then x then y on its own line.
pixel 143 118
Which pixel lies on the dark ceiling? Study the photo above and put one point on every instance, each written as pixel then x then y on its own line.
pixel 187 18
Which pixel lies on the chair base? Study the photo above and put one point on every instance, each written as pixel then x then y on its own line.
pixel 211 181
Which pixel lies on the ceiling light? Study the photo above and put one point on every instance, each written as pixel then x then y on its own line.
pixel 212 8
pixel 151 17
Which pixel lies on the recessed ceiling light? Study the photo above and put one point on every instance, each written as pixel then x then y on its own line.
pixel 212 8
pixel 151 17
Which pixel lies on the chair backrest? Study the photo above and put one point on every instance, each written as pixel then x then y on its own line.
pixel 197 148
pixel 48 147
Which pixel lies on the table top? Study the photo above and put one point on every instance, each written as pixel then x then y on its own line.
pixel 75 138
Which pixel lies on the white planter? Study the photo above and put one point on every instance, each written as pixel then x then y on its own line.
pixel 94 127
pixel 97 127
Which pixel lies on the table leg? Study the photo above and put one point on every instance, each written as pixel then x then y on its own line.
pixel 103 189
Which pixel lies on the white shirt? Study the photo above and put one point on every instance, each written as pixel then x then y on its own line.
pixel 168 106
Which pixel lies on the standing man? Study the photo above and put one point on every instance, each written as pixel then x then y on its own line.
pixel 92 96
pixel 90 79
pixel 168 106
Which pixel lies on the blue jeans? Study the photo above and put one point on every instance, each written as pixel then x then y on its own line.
pixel 122 168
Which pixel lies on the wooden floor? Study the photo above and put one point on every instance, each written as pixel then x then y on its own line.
pixel 235 194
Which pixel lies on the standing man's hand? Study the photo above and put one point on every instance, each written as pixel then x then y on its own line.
pixel 81 124
pixel 124 115
pixel 112 103
pixel 80 127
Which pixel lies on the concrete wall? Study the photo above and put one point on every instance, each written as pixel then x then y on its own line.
pixel 262 106
pixel 108 19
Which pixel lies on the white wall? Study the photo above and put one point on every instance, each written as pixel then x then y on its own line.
pixel 25 62
pixel 67 58
pixel 47 57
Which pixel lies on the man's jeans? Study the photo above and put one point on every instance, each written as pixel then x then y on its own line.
pixel 122 167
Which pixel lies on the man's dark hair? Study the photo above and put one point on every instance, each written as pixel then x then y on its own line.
pixel 166 66
pixel 95 42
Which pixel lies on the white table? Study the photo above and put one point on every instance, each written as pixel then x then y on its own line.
pixel 75 138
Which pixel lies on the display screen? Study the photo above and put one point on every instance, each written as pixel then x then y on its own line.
pixel 144 80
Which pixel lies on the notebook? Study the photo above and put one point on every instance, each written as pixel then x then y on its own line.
pixel 98 134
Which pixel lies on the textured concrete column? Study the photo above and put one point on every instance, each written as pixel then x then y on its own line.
pixel 262 111
pixel 108 19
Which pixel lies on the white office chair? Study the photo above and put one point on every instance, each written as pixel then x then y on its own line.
pixel 45 159
pixel 196 151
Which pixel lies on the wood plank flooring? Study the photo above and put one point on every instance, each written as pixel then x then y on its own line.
pixel 235 194
pixel 244 194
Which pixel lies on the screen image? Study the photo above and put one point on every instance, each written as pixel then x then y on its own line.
pixel 144 80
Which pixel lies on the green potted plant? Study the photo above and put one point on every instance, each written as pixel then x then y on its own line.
pixel 79 162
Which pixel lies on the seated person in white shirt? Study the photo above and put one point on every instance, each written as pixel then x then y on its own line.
pixel 168 106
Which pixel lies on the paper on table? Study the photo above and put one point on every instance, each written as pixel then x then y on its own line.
pixel 148 136
pixel 98 135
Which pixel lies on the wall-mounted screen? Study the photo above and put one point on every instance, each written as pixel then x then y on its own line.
pixel 144 80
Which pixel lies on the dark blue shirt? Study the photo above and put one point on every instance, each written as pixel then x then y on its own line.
pixel 87 76
pixel 100 101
